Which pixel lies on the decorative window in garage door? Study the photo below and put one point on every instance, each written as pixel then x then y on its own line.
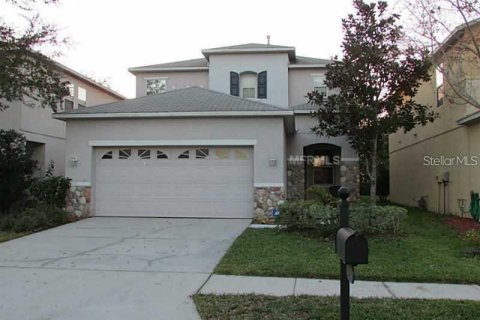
pixel 108 155
pixel 201 153
pixel 144 154
pixel 124 154
pixel 241 154
pixel 184 155
pixel 161 155
pixel 222 154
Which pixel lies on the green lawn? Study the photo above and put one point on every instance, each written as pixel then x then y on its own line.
pixel 5 236
pixel 429 252
pixel 286 308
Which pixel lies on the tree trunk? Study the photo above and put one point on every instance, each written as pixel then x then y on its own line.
pixel 373 172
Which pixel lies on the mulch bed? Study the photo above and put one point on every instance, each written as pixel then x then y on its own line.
pixel 462 225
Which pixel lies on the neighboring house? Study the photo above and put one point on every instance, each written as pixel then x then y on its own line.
pixel 45 135
pixel 208 137
pixel 440 161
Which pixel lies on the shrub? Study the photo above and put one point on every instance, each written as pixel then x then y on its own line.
pixel 320 194
pixel 323 220
pixel 377 220
pixel 16 169
pixel 308 216
pixel 51 190
pixel 473 237
pixel 33 219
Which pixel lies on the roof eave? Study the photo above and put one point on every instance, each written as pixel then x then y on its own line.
pixel 306 66
pixel 289 50
pixel 469 119
pixel 153 69
pixel 203 114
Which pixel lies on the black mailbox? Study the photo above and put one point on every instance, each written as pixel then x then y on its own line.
pixel 351 247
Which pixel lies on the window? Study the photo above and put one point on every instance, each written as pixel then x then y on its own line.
pixel 323 171
pixel 262 85
pixel 71 89
pixel 201 153
pixel 82 94
pixel 241 154
pixel 161 155
pixel 319 85
pixel 108 155
pixel 440 87
pixel 156 86
pixel 81 106
pixel 234 84
pixel 124 154
pixel 222 154
pixel 184 155
pixel 144 154
pixel 68 104
pixel 248 84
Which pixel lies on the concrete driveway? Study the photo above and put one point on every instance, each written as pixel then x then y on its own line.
pixel 112 268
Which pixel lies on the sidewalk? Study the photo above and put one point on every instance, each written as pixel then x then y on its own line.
pixel 221 284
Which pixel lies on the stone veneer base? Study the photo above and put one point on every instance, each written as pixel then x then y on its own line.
pixel 79 201
pixel 266 199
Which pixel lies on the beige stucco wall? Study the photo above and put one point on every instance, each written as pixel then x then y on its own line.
pixel 412 176
pixel 300 83
pixel 175 80
pixel 37 124
pixel 276 65
pixel 269 133
pixel 304 137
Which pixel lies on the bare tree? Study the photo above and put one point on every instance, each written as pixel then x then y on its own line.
pixel 450 30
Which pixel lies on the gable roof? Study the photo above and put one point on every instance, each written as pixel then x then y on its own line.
pixel 250 48
pixel 454 36
pixel 191 64
pixel 188 100
pixel 302 61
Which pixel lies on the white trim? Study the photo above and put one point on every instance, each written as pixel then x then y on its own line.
pixel 155 78
pixel 306 66
pixel 132 143
pixel 269 185
pixel 80 184
pixel 304 111
pixel 172 114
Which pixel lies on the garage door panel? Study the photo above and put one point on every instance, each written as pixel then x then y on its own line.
pixel 174 187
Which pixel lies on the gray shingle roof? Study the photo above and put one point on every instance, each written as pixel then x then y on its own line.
pixel 299 60
pixel 304 106
pixel 194 99
pixel 192 63
pixel 251 46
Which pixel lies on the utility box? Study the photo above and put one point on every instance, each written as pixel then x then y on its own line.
pixel 351 247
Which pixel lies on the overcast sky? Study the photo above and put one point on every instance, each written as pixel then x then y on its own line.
pixel 109 36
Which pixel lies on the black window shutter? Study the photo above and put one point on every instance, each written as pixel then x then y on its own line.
pixel 234 84
pixel 262 85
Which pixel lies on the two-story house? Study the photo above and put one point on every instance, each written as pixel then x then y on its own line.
pixel 225 135
pixel 45 135
pixel 438 165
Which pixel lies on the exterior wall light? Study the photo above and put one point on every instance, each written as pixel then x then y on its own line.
pixel 73 161
pixel 272 162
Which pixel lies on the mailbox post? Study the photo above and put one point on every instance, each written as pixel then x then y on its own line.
pixel 352 249
pixel 343 193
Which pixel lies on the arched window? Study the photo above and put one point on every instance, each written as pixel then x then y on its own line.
pixel 161 155
pixel 144 154
pixel 184 155
pixel 248 84
pixel 124 154
pixel 108 155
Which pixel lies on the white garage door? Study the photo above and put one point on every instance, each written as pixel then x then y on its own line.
pixel 174 182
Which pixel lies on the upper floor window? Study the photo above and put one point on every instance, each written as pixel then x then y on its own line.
pixel 440 87
pixel 82 94
pixel 249 84
pixel 71 90
pixel 319 85
pixel 156 86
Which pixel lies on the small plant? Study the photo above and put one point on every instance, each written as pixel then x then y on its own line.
pixel 51 190
pixel 33 219
pixel 321 194
pixel 473 237
pixel 377 220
